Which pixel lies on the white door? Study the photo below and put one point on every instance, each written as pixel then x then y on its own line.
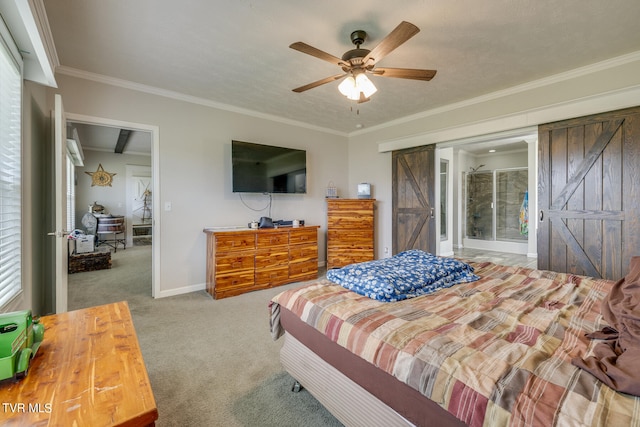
pixel 139 199
pixel 60 170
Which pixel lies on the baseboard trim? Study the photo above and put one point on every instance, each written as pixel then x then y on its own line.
pixel 183 290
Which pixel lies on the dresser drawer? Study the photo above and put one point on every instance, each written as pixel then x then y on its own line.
pixel 272 276
pixel 341 258
pixel 350 222
pixel 235 242
pixel 235 281
pixel 303 235
pixel 270 258
pixel 306 270
pixel 231 263
pixel 303 253
pixel 270 239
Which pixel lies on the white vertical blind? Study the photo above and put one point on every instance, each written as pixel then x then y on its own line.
pixel 10 173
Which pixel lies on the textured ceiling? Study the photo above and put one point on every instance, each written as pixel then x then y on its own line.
pixel 235 52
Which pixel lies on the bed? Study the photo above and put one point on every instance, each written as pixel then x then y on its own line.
pixel 496 351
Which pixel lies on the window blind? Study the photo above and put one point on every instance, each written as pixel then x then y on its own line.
pixel 10 173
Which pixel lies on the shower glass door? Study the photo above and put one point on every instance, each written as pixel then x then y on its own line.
pixel 512 205
pixel 480 205
pixel 497 205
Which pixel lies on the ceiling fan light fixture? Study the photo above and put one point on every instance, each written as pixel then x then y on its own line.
pixel 348 88
pixel 365 85
pixel 352 86
pixel 356 62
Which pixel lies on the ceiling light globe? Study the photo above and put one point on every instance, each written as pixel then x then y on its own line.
pixel 348 88
pixel 365 85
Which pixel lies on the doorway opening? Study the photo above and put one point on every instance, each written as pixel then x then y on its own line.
pixel 494 181
pixel 496 205
pixel 129 152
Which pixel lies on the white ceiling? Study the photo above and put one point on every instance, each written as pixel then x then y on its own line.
pixel 235 53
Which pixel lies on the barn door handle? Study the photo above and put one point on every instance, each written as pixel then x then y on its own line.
pixel 541 215
pixel 432 215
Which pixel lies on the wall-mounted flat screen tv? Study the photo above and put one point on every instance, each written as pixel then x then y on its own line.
pixel 258 168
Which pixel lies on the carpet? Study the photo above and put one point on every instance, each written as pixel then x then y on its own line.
pixel 210 362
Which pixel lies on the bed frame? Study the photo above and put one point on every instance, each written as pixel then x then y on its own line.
pixel 353 390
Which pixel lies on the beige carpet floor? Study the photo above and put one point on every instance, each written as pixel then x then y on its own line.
pixel 210 362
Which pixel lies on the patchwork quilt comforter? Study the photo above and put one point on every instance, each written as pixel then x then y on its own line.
pixel 405 275
pixel 494 352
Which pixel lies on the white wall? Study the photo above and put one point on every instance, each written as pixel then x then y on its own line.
pixel 195 176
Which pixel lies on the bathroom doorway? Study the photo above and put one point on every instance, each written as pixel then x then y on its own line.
pixel 494 181
pixel 496 206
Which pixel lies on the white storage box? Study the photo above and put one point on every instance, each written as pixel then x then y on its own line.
pixel 84 244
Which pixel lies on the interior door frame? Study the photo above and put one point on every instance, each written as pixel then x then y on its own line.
pixel 444 247
pixel 155 175
pixel 61 250
pixel 527 134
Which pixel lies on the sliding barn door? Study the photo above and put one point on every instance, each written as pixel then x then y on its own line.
pixel 589 194
pixel 414 224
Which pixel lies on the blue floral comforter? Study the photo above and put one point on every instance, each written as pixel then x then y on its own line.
pixel 406 275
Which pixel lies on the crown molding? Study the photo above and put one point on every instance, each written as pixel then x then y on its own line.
pixel 126 84
pixel 532 85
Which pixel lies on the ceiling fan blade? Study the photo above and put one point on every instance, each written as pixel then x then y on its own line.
pixel 310 50
pixel 319 83
pixel 395 38
pixel 404 73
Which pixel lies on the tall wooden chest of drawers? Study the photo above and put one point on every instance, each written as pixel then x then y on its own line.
pixel 349 231
pixel 240 261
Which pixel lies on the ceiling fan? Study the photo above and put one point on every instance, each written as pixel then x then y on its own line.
pixel 357 63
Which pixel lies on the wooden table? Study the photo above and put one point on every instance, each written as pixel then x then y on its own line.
pixel 88 371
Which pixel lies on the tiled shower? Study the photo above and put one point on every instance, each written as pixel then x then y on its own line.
pixel 497 205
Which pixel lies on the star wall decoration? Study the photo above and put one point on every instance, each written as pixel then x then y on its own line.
pixel 101 177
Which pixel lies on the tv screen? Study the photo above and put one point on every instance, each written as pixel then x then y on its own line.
pixel 258 168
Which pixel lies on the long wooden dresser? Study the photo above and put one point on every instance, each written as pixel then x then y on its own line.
pixel 246 260
pixel 349 231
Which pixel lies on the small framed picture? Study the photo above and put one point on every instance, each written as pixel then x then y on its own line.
pixel 364 191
